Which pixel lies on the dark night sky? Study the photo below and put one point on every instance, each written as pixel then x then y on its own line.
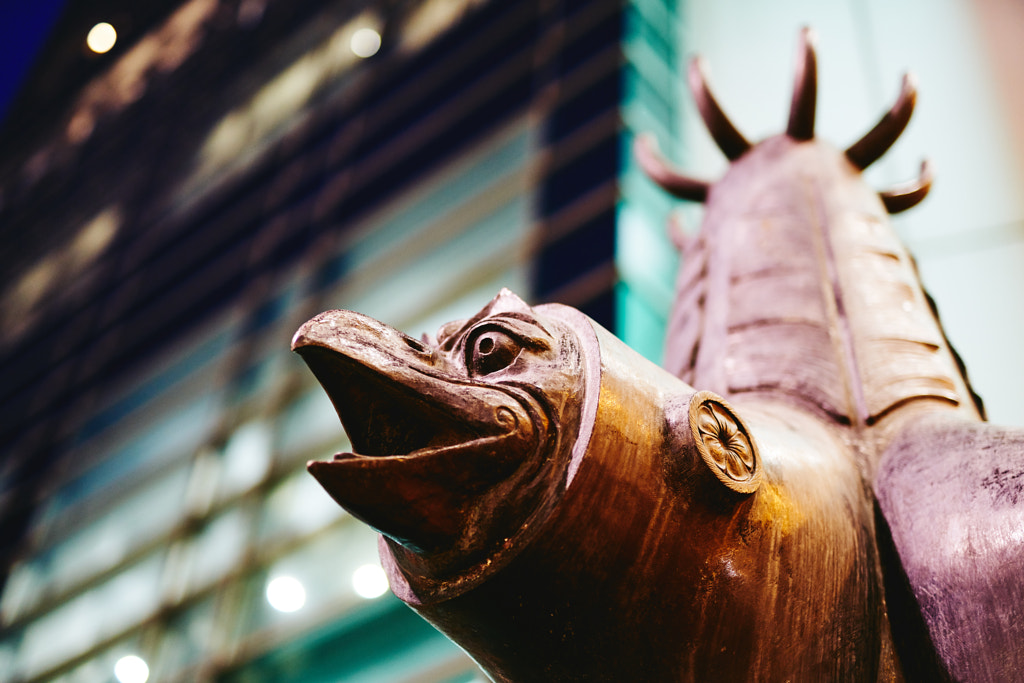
pixel 24 27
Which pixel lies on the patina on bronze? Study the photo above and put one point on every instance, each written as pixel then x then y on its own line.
pixel 565 510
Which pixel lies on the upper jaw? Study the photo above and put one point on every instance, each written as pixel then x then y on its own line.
pixel 427 441
pixel 396 397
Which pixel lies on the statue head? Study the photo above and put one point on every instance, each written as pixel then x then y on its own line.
pixel 457 443
pixel 464 445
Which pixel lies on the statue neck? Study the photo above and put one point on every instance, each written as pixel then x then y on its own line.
pixel 801 290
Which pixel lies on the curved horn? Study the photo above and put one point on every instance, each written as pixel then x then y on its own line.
pixel 879 139
pixel 729 140
pixel 903 197
pixel 805 89
pixel 645 149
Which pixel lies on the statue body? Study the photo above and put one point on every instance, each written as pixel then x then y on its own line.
pixel 565 510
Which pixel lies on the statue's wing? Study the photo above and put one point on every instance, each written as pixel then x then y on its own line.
pixel 952 495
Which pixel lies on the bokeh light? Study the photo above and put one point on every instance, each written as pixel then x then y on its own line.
pixel 131 669
pixel 369 581
pixel 286 594
pixel 365 42
pixel 101 38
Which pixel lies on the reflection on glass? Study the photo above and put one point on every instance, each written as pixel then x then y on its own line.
pixel 188 637
pixel 111 608
pixel 297 506
pixel 309 423
pixel 254 122
pixel 100 667
pixel 320 566
pixel 286 594
pixel 429 19
pixel 8 650
pixel 217 550
pixel 369 581
pixel 138 452
pixel 145 516
pixel 131 669
pixel 246 458
pixel 23 591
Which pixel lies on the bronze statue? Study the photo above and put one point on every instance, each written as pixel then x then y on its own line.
pixel 829 506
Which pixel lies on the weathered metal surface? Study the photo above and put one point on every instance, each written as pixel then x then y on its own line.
pixel 565 510
pixel 639 525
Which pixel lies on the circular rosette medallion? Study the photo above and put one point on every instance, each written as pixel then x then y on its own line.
pixel 724 442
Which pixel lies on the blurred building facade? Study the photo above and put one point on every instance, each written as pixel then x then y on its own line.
pixel 238 167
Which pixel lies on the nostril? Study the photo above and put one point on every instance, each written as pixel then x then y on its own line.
pixel 416 345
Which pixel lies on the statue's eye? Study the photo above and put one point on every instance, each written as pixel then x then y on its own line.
pixel 491 351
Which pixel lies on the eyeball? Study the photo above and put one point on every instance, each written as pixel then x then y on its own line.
pixel 491 351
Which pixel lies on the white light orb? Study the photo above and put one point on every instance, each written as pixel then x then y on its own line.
pixel 365 42
pixel 131 669
pixel 369 581
pixel 286 594
pixel 101 38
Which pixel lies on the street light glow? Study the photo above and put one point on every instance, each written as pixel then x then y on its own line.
pixel 101 38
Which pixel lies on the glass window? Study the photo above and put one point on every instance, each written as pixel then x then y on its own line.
pixel 246 458
pixel 8 652
pixel 321 573
pixel 101 667
pixel 177 435
pixel 494 240
pixel 188 638
pixel 444 195
pixel 309 424
pixel 296 507
pixel 23 590
pixel 99 613
pixel 214 552
pixel 140 519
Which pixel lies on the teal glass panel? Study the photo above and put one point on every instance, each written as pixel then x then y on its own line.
pixel 645 258
pixel 8 655
pixel 643 328
pixel 647 263
pixel 650 23
pixel 190 361
pixel 385 644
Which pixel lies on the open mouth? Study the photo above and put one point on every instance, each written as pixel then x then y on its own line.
pixel 426 441
pixel 455 447
pixel 408 414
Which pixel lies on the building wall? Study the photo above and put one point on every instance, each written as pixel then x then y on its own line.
pixel 159 424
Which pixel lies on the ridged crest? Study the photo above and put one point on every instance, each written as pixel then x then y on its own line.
pixel 800 126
